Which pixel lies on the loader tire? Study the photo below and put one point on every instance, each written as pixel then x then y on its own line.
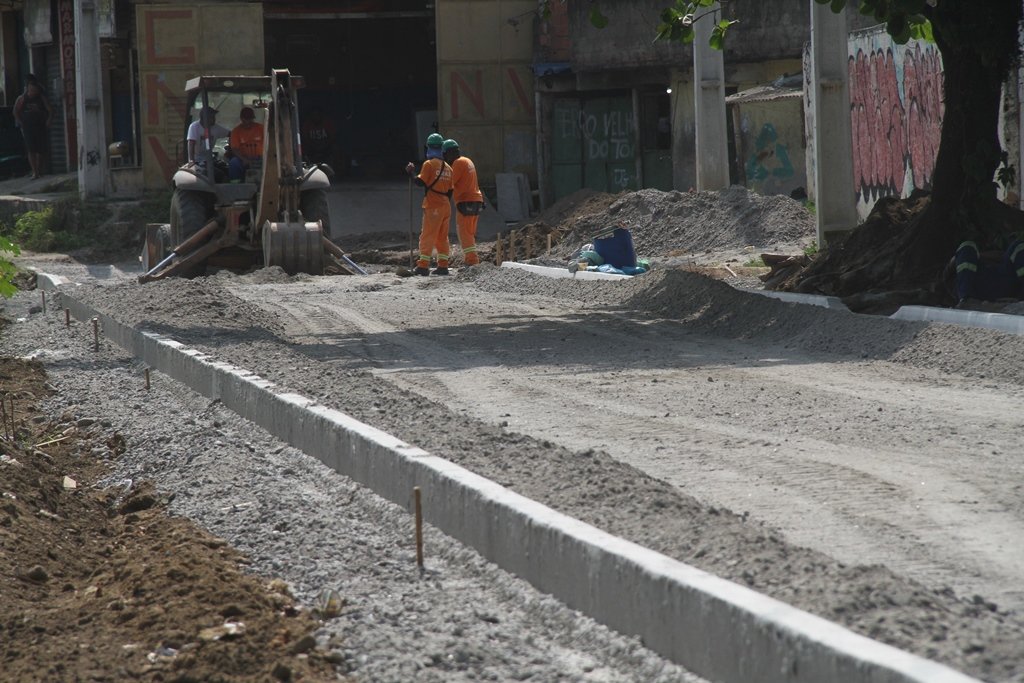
pixel 158 244
pixel 190 211
pixel 314 207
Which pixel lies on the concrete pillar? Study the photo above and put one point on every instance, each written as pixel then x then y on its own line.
pixel 684 165
pixel 835 200
pixel 92 137
pixel 709 93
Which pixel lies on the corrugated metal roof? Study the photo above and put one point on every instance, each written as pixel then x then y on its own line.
pixel 765 93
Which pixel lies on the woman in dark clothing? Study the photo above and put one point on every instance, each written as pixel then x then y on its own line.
pixel 33 113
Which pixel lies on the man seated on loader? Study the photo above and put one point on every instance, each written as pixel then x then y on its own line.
pixel 247 137
pixel 203 134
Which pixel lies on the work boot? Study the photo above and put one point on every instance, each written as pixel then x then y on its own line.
pixel 441 270
pixel 422 271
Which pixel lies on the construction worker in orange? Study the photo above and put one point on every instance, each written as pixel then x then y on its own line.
pixel 469 201
pixel 247 137
pixel 435 177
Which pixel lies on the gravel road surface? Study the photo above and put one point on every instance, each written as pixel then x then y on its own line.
pixel 863 469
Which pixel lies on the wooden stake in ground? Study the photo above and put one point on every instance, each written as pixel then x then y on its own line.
pixel 147 379
pixel 43 293
pixel 497 250
pixel 512 246
pixel 419 526
pixel 412 259
pixel 549 244
pixel 529 247
pixel 67 317
pixel 14 433
pixel 3 415
pixel 95 334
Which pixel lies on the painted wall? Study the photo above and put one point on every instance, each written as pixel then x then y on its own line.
pixel 767 30
pixel 770 145
pixel 896 109
pixel 485 83
pixel 177 42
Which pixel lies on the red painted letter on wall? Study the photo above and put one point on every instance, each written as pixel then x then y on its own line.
pixel 476 97
pixel 185 54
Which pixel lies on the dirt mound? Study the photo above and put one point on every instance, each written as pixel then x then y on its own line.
pixel 101 584
pixel 676 223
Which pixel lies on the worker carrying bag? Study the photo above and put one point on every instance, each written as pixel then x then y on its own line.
pixel 470 208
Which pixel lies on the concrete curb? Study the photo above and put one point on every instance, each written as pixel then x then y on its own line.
pixel 713 627
pixel 832 302
pixel 1003 322
pixel 557 273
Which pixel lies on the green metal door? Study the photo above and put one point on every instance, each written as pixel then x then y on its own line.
pixel 566 148
pixel 593 145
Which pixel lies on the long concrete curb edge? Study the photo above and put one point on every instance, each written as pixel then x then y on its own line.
pixel 715 628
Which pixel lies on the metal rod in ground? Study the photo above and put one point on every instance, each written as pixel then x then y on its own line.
pixel 67 317
pixel 419 526
pixel 43 293
pixel 95 334
pixel 147 379
pixel 412 260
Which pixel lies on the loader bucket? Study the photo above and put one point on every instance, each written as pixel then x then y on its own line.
pixel 295 247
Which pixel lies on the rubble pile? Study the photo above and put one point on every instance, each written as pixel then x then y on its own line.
pixel 666 224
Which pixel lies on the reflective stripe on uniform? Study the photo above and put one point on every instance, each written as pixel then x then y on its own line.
pixel 424 257
pixel 972 245
pixel 442 257
pixel 966 266
pixel 469 250
pixel 1013 254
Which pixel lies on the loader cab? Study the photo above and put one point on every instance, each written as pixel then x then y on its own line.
pixel 227 95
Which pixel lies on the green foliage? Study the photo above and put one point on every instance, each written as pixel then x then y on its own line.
pixel 7 268
pixel 61 226
pixel 757 262
pixel 904 19
pixel 811 249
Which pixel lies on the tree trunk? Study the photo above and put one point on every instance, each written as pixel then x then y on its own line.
pixel 907 245
pixel 964 199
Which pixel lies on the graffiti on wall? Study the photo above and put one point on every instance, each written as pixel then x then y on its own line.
pixel 598 138
pixel 896 109
pixel 769 164
pixel 68 67
pixel 605 136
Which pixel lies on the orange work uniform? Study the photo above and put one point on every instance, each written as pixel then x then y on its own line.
pixel 248 140
pixel 468 203
pixel 436 177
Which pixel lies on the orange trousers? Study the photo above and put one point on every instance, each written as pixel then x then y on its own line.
pixel 434 235
pixel 466 228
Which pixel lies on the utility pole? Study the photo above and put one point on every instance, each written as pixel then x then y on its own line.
pixel 92 132
pixel 835 202
pixel 712 141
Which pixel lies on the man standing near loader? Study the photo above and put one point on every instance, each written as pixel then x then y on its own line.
pixel 435 177
pixel 469 201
